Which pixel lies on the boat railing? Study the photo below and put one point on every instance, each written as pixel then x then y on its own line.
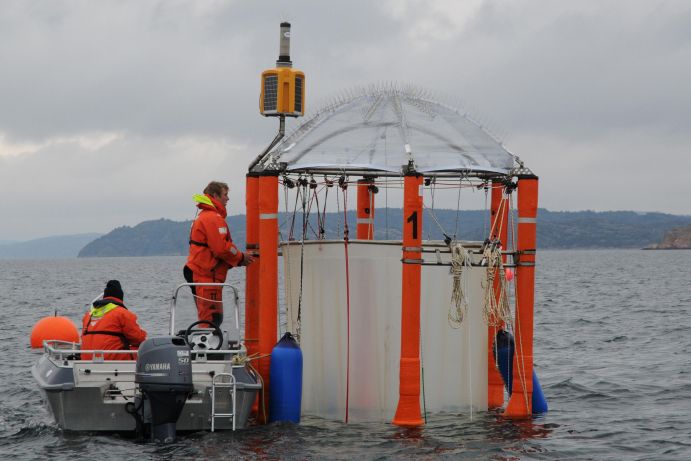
pixel 66 350
pixel 174 299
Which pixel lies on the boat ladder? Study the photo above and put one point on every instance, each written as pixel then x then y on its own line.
pixel 222 380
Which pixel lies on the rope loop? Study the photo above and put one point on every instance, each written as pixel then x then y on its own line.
pixel 460 260
pixel 496 311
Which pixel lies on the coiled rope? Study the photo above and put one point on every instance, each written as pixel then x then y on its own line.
pixel 460 260
pixel 496 311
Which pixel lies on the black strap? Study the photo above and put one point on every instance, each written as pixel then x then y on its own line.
pixel 204 244
pixel 125 342
pixel 122 337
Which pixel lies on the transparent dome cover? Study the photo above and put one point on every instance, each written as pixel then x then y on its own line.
pixel 381 129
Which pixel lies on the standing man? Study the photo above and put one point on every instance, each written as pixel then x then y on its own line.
pixel 109 325
pixel 212 252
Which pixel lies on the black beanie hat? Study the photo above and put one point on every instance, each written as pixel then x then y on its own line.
pixel 113 290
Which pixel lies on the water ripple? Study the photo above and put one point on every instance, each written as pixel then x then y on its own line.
pixel 612 351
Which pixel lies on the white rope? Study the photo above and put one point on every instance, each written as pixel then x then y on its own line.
pixel 219 301
pixel 441 228
pixel 305 220
pixel 496 310
pixel 470 374
pixel 460 260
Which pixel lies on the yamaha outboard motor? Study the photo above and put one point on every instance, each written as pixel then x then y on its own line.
pixel 164 375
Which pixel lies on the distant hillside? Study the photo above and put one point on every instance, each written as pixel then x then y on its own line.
pixel 162 237
pixel 607 229
pixel 58 247
pixel 557 230
pixel 678 238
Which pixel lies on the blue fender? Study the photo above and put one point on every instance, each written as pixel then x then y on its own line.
pixel 503 354
pixel 285 381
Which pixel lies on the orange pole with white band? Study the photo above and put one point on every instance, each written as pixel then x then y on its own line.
pixel 365 209
pixel 520 403
pixel 252 271
pixel 499 221
pixel 408 410
pixel 268 278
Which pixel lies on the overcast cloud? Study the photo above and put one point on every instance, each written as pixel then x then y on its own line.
pixel 115 112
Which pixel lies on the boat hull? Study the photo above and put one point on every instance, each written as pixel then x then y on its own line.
pixel 90 396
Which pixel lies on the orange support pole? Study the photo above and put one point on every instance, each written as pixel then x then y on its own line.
pixel 252 271
pixel 408 410
pixel 521 400
pixel 268 279
pixel 499 222
pixel 365 209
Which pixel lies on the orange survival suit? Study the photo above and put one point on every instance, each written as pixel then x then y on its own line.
pixel 212 253
pixel 109 325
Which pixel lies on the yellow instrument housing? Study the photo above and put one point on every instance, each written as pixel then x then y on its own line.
pixel 282 93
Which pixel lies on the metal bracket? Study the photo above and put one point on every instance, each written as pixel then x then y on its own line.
pixel 412 261
pixel 517 257
pixel 418 249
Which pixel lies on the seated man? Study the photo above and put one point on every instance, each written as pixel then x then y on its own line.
pixel 110 326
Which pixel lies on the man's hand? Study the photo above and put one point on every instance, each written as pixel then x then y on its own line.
pixel 247 259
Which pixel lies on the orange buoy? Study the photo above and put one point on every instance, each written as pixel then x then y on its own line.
pixel 509 274
pixel 59 328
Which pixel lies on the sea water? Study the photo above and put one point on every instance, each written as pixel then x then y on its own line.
pixel 612 350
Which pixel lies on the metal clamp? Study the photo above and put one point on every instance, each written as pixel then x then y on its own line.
pixel 412 261
pixel 419 249
pixel 528 252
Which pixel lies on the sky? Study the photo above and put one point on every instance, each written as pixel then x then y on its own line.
pixel 116 112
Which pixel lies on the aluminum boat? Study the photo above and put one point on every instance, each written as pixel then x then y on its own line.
pixel 106 395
